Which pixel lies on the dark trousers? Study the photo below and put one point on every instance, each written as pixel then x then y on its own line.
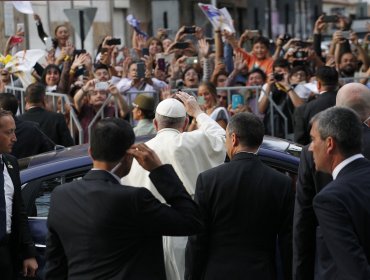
pixel 6 266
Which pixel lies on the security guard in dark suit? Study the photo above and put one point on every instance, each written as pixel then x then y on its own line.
pixel 16 245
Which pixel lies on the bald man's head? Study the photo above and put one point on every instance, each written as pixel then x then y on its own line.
pixel 355 96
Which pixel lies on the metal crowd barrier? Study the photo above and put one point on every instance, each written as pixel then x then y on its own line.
pixel 129 100
pixel 65 102
pixel 274 108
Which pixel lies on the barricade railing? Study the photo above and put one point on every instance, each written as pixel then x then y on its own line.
pixel 258 90
pixel 75 123
pixel 129 99
pixel 353 79
pixel 73 118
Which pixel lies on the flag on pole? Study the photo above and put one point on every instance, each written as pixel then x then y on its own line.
pixel 219 18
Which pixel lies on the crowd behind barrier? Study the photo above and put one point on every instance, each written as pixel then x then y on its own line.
pixel 74 124
pixel 187 61
pixel 283 81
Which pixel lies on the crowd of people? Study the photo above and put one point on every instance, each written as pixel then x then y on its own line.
pixel 281 76
pixel 200 173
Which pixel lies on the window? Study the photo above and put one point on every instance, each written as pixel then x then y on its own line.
pixel 36 194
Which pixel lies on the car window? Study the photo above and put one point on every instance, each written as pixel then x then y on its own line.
pixel 36 193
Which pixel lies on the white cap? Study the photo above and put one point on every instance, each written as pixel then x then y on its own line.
pixel 171 108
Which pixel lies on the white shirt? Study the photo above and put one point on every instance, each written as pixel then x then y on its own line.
pixel 9 194
pixel 344 163
pixel 114 175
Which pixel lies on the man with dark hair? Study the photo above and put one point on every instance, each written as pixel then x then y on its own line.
pixel 342 207
pixel 327 85
pixel 51 123
pixel 17 251
pixel 246 206
pixel 90 99
pixel 101 229
pixel 286 99
pixel 310 182
pixel 348 65
pixel 30 139
pixel 101 72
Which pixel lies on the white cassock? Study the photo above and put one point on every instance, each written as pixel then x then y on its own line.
pixel 190 153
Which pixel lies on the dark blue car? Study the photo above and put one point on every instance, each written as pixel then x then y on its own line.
pixel 41 174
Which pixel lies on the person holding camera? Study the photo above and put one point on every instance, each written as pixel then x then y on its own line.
pixel 279 89
pixel 89 100
pixel 139 79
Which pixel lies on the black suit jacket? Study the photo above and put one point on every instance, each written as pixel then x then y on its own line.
pixel 99 229
pixel 30 140
pixel 305 231
pixel 304 115
pixel 51 123
pixel 343 212
pixel 21 243
pixel 245 206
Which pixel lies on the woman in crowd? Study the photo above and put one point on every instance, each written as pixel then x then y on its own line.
pixel 61 34
pixel 207 99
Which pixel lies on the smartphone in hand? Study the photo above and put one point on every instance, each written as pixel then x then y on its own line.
pixel 237 99
pixel 333 18
pixel 189 29
pixel 145 51
pixel 161 64
pixel 114 41
pixel 182 45
pixel 140 70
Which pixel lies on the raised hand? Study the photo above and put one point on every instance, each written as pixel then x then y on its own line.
pixel 145 156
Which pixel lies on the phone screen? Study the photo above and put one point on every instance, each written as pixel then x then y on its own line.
pixel 330 18
pixel 161 64
pixel 140 70
pixel 181 45
pixel 236 100
pixel 145 51
pixel 189 29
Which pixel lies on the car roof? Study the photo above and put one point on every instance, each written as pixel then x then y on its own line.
pixel 272 149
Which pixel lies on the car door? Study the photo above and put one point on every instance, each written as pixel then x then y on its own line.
pixel 36 196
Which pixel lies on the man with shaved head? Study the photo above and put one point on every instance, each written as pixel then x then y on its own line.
pixel 357 97
pixel 310 182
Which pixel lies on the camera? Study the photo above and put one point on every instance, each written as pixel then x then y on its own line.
pixel 114 41
pixel 286 37
pixel 189 29
pixel 300 54
pixel 330 18
pixel 101 86
pixel 181 45
pixel 346 34
pixel 78 52
pixel 278 77
pixel 192 60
